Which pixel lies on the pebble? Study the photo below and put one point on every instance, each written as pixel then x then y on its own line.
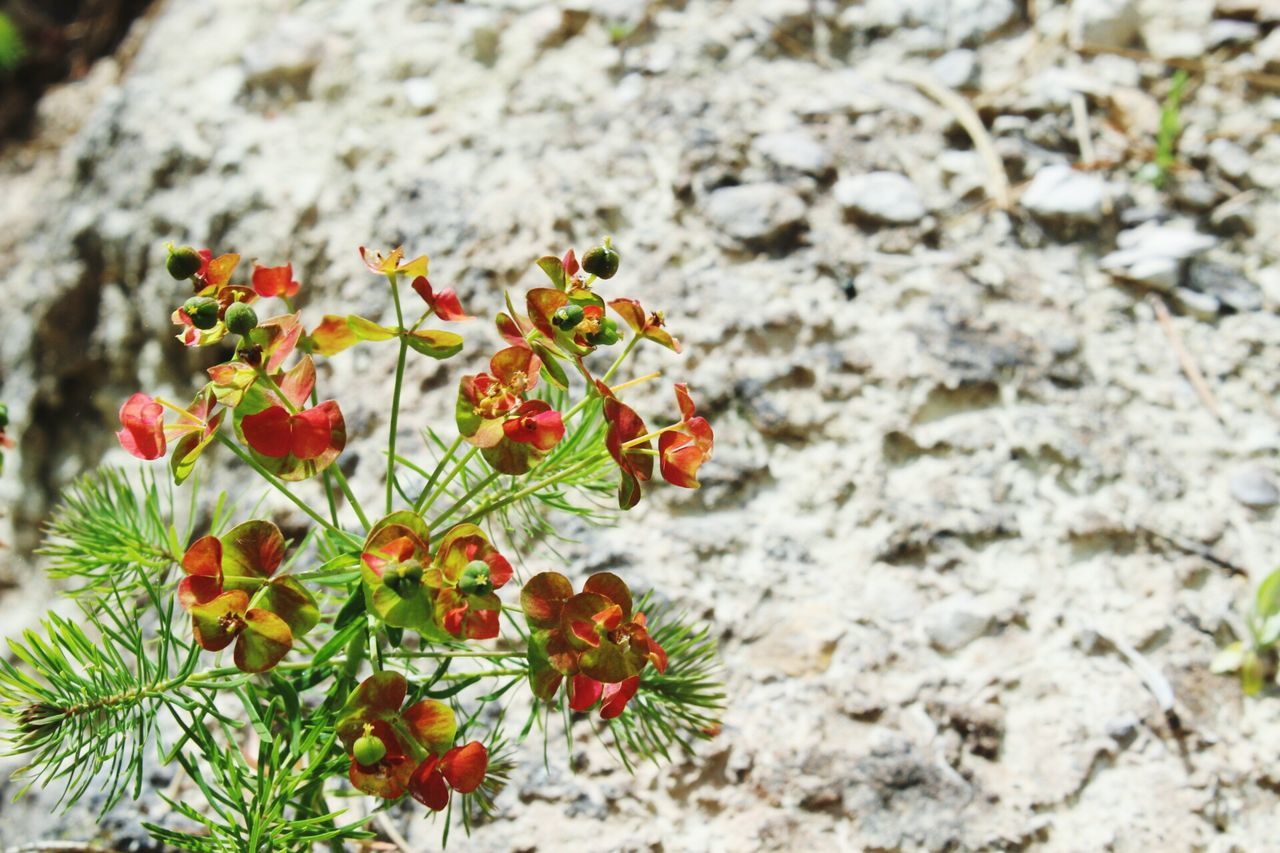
pixel 1060 193
pixel 881 197
pixel 1253 487
pixel 422 94
pixel 1153 254
pixel 956 69
pixel 1228 32
pixel 1195 303
pixel 1235 292
pixel 756 214
pixel 955 622
pixel 1106 23
pixel 1229 159
pixel 796 150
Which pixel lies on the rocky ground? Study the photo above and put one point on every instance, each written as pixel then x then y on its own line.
pixel 954 537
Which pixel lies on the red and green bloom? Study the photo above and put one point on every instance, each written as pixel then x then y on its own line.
pixel 393 565
pixel 443 303
pixel 535 423
pixel 275 281
pixel 394 263
pixel 622 439
pixel 416 752
pixel 145 435
pixel 465 574
pixel 225 575
pixel 492 413
pixel 309 435
pixel 648 326
pixel 681 451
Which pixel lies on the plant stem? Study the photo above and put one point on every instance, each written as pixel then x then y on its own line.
pixel 395 394
pixel 439 469
pixel 482 511
pixel 462 501
pixel 280 486
pixel 351 498
pixel 630 382
pixel 459 676
pixel 423 506
pixel 622 356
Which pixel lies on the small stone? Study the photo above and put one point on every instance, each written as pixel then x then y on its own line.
pixel 756 214
pixel 881 198
pixel 1252 487
pixel 1154 254
pixel 1236 293
pixel 1222 33
pixel 796 150
pixel 955 622
pixel 1195 303
pixel 956 69
pixel 422 94
pixel 1106 23
pixel 1229 159
pixel 1123 729
pixel 1061 194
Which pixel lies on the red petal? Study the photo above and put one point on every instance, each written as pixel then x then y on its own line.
pixel 448 307
pixel 268 432
pixel 427 785
pixel 586 632
pixel 274 281
pixel 584 692
pixel 616 697
pixel 482 624
pixel 499 569
pixel 570 263
pixel 204 557
pixel 610 618
pixel 680 459
pixel 464 766
pixel 684 400
pixel 311 431
pixel 198 589
pixel 143 421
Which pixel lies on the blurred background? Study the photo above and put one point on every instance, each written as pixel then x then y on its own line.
pixel 979 295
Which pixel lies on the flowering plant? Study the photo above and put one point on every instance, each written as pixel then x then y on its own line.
pixel 367 649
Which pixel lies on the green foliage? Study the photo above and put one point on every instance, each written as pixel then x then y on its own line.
pixel 1160 169
pixel 1254 657
pixel 12 48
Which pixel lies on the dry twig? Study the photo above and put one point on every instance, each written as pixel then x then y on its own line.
pixel 1188 364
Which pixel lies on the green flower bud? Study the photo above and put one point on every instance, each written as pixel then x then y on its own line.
pixel 602 261
pixel 183 262
pixel 4 417
pixel 567 317
pixel 403 579
pixel 240 318
pixel 203 311
pixel 475 579
pixel 368 749
pixel 607 335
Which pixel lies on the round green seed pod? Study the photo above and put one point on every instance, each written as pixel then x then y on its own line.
pixel 183 262
pixel 475 578
pixel 601 261
pixel 608 334
pixel 567 317
pixel 368 750
pixel 203 311
pixel 240 318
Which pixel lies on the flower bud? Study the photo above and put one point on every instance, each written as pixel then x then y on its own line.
pixel 183 262
pixel 602 261
pixel 567 317
pixel 475 579
pixel 368 749
pixel 240 318
pixel 203 311
pixel 607 334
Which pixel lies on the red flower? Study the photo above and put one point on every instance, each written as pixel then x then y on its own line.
pixel 214 273
pixel 466 571
pixel 275 281
pixel 142 419
pixel 648 326
pixel 486 398
pixel 635 461
pixel 585 691
pixel 462 768
pixel 536 423
pixel 445 303
pixel 682 451
pixel 309 434
pixel 390 264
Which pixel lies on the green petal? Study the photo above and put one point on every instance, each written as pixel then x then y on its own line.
pixel 189 448
pixel 543 677
pixel 511 457
pixel 554 268
pixel 206 619
pixel 581 608
pixel 251 550
pixel 394 526
pixel 543 597
pixel 287 598
pixel 613 588
pixel 265 640
pixel 611 662
pixel 432 725
pixel 378 696
pixel 435 343
pixel 367 330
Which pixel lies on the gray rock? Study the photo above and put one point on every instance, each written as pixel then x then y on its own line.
pixel 881 197
pixel 756 214
pixel 796 150
pixel 1253 487
pixel 1229 159
pixel 1154 254
pixel 1195 303
pixel 1235 292
pixel 1222 33
pixel 1061 194
pixel 956 69
pixel 1107 23
pixel 955 622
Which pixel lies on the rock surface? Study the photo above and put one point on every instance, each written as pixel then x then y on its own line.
pixel 952 455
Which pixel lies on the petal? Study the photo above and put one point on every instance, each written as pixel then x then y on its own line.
pixel 286 598
pixel 550 429
pixel 268 431
pixel 481 624
pixel 198 589
pixel 427 786
pixel 499 569
pixel 541 303
pixel 577 622
pixel 278 337
pixel 679 460
pixel 217 272
pixel 253 549
pixel 266 639
pixel 142 419
pixel 613 588
pixel 543 598
pixel 312 430
pixel 511 364
pixel 274 281
pixel 380 694
pixel 584 692
pixel 544 677
pixel 435 343
pixel 379 263
pixel 616 697
pixel 204 557
pixel 609 618
pixel 298 382
pixel 512 329
pixel 449 308
pixel 206 619
pixel 332 336
pixel 631 312
pixel 432 724
pixel 367 330
pixel 464 766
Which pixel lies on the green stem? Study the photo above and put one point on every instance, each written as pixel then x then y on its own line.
pixel 351 498
pixel 459 676
pixel 439 469
pixel 462 501
pixel 423 506
pixel 452 654
pixel 279 486
pixel 482 511
pixel 395 394
pixel 617 362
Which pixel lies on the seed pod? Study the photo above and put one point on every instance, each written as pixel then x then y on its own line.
pixel 601 261
pixel 240 318
pixel 183 262
pixel 203 311
pixel 475 579
pixel 567 317
pixel 369 750
pixel 607 335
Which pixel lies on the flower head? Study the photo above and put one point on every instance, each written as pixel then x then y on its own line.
pixel 465 573
pixel 622 440
pixel 648 326
pixel 682 451
pixel 275 281
pixel 394 263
